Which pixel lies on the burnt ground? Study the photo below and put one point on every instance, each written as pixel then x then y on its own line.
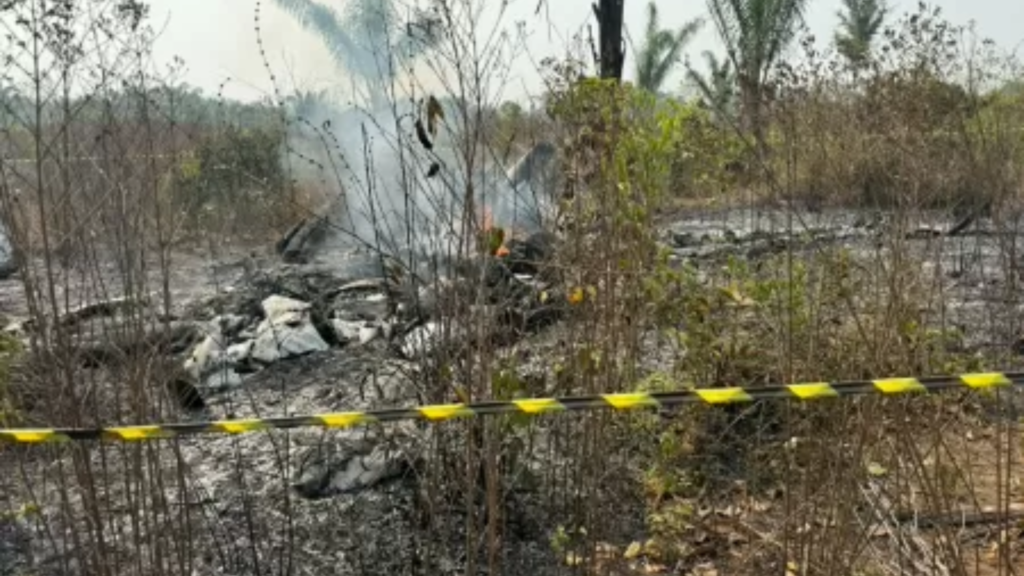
pixel 351 501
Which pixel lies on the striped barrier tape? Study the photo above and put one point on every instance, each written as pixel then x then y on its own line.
pixel 529 406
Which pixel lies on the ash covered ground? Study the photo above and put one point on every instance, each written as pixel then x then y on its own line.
pixel 258 337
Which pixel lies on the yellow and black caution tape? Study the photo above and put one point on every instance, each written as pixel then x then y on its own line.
pixel 531 406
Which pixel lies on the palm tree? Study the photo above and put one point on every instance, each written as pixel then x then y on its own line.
pixel 717 87
pixel 661 50
pixel 303 103
pixel 755 34
pixel 859 22
pixel 368 39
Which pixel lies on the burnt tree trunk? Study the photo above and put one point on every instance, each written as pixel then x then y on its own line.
pixel 613 52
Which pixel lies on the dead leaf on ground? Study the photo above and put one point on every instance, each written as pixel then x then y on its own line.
pixel 876 469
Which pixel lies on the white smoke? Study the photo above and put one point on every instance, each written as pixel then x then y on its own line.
pixel 370 158
pixel 382 194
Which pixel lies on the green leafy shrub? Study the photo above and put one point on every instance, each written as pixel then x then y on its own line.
pixel 698 153
pixel 923 127
pixel 705 152
pixel 619 149
pixel 234 182
pixel 822 317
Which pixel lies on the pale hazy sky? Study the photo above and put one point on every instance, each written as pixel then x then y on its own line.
pixel 217 40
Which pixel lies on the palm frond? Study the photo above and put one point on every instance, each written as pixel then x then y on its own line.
pixel 421 33
pixel 783 19
pixel 672 53
pixel 652 20
pixel 661 50
pixel 729 18
pixel 703 84
pixel 324 22
pixel 859 23
pixel 717 88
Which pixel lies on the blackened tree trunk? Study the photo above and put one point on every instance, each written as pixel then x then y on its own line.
pixel 613 52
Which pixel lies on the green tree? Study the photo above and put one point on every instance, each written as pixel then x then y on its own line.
pixel 369 39
pixel 717 88
pixel 511 111
pixel 755 34
pixel 661 50
pixel 859 23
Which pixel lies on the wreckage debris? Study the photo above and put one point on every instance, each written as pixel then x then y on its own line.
pixel 286 331
pixel 526 256
pixel 396 310
pixel 9 264
pixel 302 240
pixel 285 312
pixel 186 394
pixel 520 195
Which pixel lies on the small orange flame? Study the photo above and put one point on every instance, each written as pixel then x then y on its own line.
pixel 488 225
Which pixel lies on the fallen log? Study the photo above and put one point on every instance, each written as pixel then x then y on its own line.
pixel 164 341
pixel 85 312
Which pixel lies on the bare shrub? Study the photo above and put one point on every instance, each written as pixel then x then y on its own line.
pixel 923 126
